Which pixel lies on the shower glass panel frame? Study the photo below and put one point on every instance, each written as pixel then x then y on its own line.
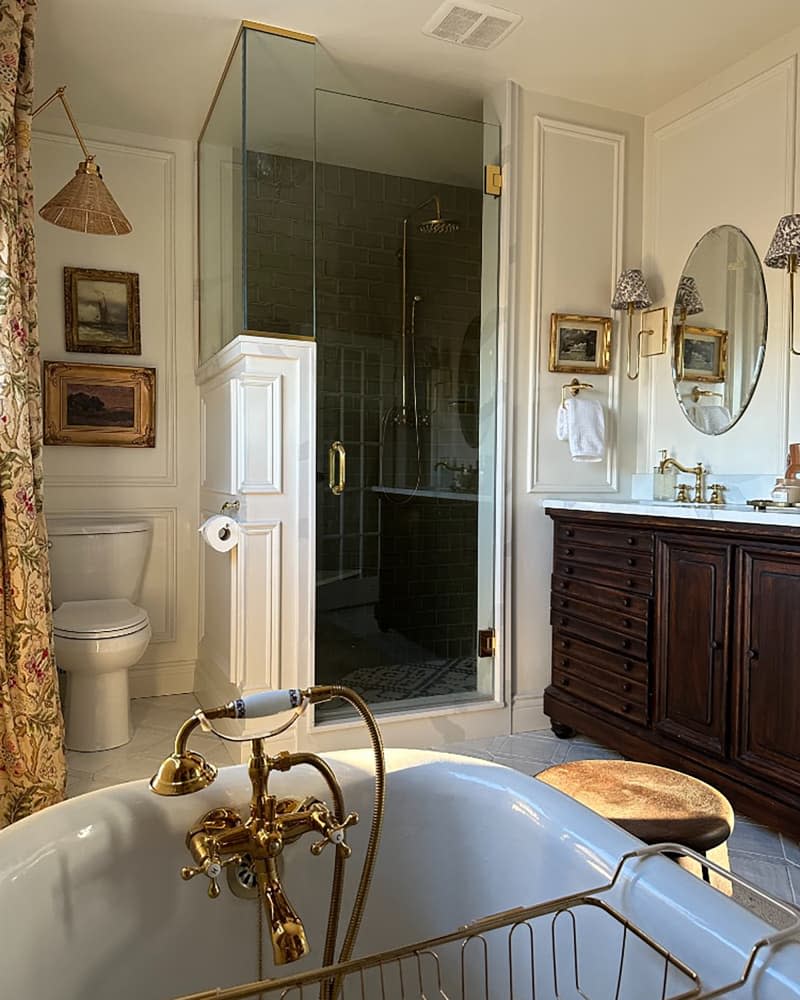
pixel 406 257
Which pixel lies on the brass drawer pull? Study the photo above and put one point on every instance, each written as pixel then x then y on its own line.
pixel 626 708
pixel 631 562
pixel 631 540
pixel 569 552
pixel 627 667
pixel 626 686
pixel 626 623
pixel 569 532
pixel 564 622
pixel 569 571
pixel 626 602
pixel 336 483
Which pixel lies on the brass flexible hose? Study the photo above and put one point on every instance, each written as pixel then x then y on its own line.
pixel 358 703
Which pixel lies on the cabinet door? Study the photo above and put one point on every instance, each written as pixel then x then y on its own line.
pixel 692 642
pixel 767 738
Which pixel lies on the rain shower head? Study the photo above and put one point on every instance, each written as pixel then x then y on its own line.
pixel 437 226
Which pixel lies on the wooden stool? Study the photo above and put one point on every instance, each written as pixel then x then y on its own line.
pixel 653 803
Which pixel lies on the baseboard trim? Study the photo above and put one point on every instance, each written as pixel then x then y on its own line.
pixel 151 680
pixel 527 713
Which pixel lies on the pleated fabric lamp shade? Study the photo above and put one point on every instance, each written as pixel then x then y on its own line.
pixel 688 296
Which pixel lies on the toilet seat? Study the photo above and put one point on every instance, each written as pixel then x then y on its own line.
pixel 109 619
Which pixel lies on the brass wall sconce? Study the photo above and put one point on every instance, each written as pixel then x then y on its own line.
pixel 84 204
pixel 784 252
pixel 631 294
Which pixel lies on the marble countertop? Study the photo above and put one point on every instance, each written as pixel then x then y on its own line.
pixel 695 512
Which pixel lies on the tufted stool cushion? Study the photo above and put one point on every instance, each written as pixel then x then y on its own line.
pixel 653 803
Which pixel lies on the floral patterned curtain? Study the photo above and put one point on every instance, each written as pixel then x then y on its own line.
pixel 32 769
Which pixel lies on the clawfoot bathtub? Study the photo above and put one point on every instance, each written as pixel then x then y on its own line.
pixel 92 906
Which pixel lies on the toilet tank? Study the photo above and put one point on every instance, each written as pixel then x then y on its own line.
pixel 92 559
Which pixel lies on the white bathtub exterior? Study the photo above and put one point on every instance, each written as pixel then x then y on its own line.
pixel 92 906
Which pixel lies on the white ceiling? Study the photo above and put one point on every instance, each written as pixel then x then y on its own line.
pixel 152 66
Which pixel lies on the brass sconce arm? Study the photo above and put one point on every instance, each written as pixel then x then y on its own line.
pixel 59 95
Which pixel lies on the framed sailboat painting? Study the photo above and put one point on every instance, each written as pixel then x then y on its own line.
pixel 101 311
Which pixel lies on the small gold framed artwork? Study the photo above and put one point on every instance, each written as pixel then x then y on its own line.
pixel 702 353
pixel 101 311
pixel 105 405
pixel 580 344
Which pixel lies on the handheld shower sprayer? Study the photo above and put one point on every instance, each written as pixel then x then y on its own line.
pixel 221 837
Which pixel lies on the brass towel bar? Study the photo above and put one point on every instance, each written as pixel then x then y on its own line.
pixel 573 388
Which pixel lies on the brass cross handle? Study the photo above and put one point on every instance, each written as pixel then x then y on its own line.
pixel 334 834
pixel 212 868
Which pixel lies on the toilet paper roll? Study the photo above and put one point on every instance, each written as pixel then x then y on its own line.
pixel 220 532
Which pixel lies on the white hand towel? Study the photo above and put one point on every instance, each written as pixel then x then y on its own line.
pixel 582 422
pixel 712 418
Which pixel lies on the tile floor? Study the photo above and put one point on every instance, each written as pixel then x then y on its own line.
pixel 771 860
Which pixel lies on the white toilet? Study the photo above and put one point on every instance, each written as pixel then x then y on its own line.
pixel 96 566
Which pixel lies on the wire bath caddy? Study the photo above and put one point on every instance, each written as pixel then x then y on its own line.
pixel 576 947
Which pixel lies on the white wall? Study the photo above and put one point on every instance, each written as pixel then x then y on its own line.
pixel 152 180
pixel 579 197
pixel 724 153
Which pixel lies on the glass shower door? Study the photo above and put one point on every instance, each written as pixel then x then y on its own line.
pixel 406 251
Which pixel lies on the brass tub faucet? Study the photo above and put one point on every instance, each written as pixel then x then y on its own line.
pixel 221 837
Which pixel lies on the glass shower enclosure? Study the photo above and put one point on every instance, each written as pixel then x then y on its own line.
pixel 366 226
pixel 406 300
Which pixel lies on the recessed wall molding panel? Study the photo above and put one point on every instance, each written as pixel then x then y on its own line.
pixel 257 605
pixel 723 154
pixel 260 424
pixel 577 254
pixel 153 178
pixel 148 177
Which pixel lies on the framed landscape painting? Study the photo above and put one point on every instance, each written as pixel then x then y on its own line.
pixel 580 344
pixel 101 311
pixel 702 353
pixel 103 405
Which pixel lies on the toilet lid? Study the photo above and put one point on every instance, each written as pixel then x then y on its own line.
pixel 98 619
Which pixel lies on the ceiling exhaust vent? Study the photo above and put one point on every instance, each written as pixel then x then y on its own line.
pixel 475 25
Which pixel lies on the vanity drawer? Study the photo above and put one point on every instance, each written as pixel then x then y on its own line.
pixel 628 645
pixel 630 706
pixel 630 604
pixel 568 647
pixel 630 540
pixel 634 562
pixel 635 582
pixel 619 621
pixel 632 690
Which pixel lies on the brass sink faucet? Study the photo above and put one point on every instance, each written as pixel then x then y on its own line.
pixel 699 473
pixel 221 837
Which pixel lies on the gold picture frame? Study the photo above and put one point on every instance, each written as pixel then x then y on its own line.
pixel 99 405
pixel 580 344
pixel 702 353
pixel 101 311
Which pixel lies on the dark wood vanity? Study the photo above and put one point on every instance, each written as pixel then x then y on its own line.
pixel 678 642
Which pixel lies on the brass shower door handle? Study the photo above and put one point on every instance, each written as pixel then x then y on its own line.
pixel 337 483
